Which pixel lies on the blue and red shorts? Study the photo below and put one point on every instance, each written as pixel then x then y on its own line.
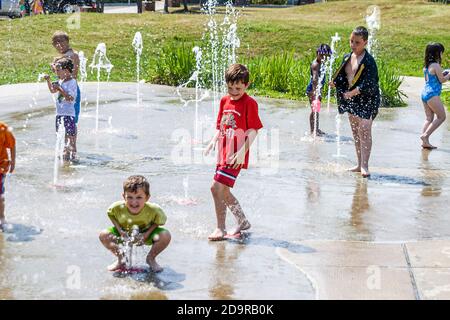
pixel 69 124
pixel 226 175
pixel 2 183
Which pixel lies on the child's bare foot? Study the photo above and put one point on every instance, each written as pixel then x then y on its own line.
pixel 217 235
pixel 428 146
pixel 365 172
pixel 245 225
pixel 2 225
pixel 116 266
pixel 426 143
pixel 155 267
pixel 320 132
pixel 354 169
pixel 75 160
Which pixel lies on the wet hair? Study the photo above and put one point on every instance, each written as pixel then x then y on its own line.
pixel 65 64
pixel 324 49
pixel 60 35
pixel 361 32
pixel 433 53
pixel 237 72
pixel 133 183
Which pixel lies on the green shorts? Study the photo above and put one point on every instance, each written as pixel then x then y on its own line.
pixel 149 240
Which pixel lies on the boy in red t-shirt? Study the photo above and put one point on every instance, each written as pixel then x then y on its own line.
pixel 237 126
pixel 7 164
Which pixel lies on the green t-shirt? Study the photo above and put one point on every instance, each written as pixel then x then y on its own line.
pixel 150 214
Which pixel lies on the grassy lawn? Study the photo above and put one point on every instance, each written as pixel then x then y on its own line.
pixel 406 27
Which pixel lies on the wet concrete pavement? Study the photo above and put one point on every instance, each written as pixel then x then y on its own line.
pixel 318 231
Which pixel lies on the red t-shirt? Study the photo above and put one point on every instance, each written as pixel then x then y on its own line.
pixel 235 118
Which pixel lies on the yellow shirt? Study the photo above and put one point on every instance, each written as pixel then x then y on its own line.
pixel 150 214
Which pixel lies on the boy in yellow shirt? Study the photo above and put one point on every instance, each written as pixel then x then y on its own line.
pixel 7 164
pixel 134 211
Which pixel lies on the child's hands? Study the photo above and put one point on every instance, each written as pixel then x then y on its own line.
pixel 208 149
pixel 347 95
pixel 237 159
pixel 123 234
pixel 47 77
pixel 12 165
pixel 350 94
pixel 139 239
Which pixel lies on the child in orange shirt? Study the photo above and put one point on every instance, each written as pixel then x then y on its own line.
pixel 7 164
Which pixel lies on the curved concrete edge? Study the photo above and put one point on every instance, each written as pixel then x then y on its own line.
pixel 357 270
pixel 19 97
pixel 311 280
pixel 29 97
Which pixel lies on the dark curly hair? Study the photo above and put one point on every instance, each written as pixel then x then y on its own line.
pixel 65 64
pixel 433 53
pixel 324 49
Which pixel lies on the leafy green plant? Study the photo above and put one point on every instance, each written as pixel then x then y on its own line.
pixel 285 73
pixel 390 81
pixel 446 98
pixel 282 72
pixel 177 62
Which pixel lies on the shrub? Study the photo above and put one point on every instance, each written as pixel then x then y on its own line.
pixel 390 81
pixel 176 64
pixel 285 73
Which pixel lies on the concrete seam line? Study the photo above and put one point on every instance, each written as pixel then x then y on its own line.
pixel 411 273
pixel 310 279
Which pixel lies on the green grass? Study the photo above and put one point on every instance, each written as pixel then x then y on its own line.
pixel 406 28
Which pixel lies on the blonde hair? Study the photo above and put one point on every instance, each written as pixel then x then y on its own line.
pixel 60 35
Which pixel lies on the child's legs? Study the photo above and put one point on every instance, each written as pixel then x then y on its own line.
pixel 429 114
pixel 365 134
pixel 160 242
pixel 66 155
pixel 354 124
pixel 71 137
pixel 436 106
pixel 110 242
pixel 2 208
pixel 2 198
pixel 218 191
pixel 235 208
pixel 73 145
pixel 314 121
pixel 311 115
